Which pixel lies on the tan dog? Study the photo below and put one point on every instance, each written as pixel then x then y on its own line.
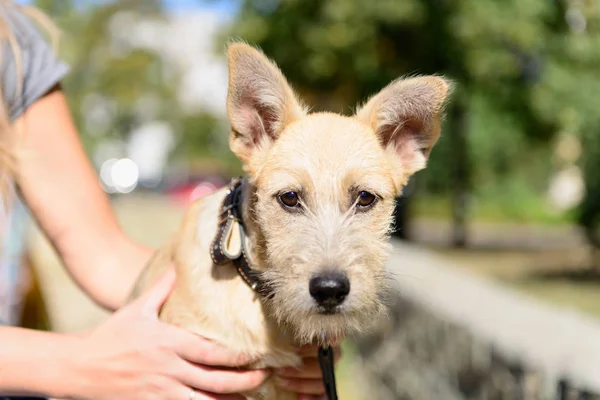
pixel 318 211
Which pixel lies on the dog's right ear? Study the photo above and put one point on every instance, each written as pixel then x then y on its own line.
pixel 260 102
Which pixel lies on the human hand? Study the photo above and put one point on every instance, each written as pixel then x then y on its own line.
pixel 135 356
pixel 306 380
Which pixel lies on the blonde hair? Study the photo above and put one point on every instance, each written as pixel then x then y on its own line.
pixel 9 139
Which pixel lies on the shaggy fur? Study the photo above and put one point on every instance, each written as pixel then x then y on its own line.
pixel 328 160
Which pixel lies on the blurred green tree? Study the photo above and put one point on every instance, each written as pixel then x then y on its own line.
pixel 204 137
pixel 127 83
pixel 109 71
pixel 522 67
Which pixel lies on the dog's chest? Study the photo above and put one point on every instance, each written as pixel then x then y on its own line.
pixel 229 317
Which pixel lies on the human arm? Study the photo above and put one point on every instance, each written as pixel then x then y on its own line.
pixel 23 351
pixel 60 187
pixel 51 169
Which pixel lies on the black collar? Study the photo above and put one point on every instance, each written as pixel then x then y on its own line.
pixel 229 245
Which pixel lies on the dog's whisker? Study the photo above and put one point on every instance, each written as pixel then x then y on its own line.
pixel 394 275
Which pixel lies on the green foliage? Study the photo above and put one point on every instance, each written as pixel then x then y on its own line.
pixel 120 76
pixel 525 70
pixel 204 136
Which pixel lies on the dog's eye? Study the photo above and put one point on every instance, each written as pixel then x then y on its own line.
pixel 365 199
pixel 289 199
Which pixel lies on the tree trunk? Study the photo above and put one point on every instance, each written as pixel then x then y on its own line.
pixel 458 129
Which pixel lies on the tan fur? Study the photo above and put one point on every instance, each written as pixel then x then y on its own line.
pixel 328 159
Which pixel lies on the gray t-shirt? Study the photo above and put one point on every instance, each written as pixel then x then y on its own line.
pixel 40 70
pixel 40 67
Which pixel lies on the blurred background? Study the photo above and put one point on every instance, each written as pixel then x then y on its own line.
pixel 512 190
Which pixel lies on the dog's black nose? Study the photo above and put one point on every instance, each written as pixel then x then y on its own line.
pixel 329 290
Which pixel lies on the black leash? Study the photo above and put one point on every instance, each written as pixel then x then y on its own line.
pixel 326 361
pixel 229 245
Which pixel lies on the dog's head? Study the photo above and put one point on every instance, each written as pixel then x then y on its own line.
pixel 324 189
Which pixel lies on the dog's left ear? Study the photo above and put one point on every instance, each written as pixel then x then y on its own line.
pixel 405 116
pixel 260 102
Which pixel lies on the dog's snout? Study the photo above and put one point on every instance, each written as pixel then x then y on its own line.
pixel 329 290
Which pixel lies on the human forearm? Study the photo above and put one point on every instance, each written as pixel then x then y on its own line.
pixel 106 271
pixel 62 190
pixel 114 272
pixel 34 363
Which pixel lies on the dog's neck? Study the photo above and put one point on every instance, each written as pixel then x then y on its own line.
pixel 255 236
pixel 237 237
pixel 247 220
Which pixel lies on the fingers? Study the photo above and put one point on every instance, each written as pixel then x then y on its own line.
pixel 303 386
pixel 199 350
pixel 307 379
pixel 203 356
pixel 221 381
pixel 150 302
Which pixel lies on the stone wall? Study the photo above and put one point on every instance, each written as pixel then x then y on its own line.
pixel 451 336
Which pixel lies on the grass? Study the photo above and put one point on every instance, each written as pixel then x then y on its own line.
pixel 349 384
pixel 523 208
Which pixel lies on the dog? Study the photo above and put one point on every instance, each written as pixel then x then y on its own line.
pixel 317 210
